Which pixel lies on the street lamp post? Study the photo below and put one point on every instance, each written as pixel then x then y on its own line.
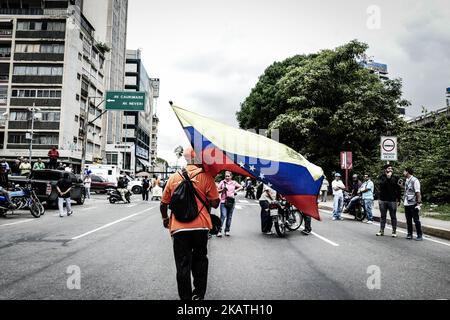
pixel 85 129
pixel 33 114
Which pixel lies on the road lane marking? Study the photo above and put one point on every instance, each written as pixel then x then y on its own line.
pixel 18 222
pixel 243 201
pixel 238 207
pixel 334 244
pixel 132 205
pixel 111 224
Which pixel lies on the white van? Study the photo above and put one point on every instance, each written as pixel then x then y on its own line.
pixel 110 173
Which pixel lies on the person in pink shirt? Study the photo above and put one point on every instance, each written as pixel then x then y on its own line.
pixel 227 189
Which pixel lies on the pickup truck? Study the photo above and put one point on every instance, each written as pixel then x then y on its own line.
pixel 44 184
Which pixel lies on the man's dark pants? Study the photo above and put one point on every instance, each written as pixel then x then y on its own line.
pixel 190 251
pixel 266 219
pixel 411 214
pixel 52 164
pixel 386 206
pixel 145 195
pixel 307 223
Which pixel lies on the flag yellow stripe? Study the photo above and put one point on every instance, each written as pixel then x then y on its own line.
pixel 242 142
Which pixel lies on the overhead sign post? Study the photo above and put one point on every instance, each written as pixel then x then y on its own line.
pixel 346 164
pixel 125 101
pixel 389 149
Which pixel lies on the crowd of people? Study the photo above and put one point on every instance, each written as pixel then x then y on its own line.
pixel 390 198
pixel 190 237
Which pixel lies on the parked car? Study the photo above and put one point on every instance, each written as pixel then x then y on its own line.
pixel 44 184
pixel 100 184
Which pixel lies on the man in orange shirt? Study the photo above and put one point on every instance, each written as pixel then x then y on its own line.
pixel 190 239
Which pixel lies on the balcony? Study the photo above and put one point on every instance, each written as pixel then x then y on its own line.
pixel 38 79
pixel 5 56
pixel 38 57
pixel 41 35
pixel 38 102
pixel 26 12
pixel 4 78
pixel 3 100
pixel 38 125
pixel 5 33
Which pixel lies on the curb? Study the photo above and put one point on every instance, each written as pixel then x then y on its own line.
pixel 428 230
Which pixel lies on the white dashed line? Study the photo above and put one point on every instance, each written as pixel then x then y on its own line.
pixel 111 224
pixel 18 222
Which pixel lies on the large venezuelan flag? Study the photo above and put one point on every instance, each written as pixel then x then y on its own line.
pixel 226 148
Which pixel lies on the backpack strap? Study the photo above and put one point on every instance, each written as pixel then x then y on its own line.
pixel 184 174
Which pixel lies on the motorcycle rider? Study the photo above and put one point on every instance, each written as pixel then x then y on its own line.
pixel 8 204
pixel 356 185
pixel 122 188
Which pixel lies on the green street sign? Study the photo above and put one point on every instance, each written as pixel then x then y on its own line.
pixel 125 101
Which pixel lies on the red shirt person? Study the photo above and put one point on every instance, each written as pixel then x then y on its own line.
pixel 53 155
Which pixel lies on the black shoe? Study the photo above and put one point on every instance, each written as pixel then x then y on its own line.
pixel 419 238
pixel 306 232
pixel 409 237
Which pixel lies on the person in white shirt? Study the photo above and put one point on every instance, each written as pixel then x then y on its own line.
pixel 268 195
pixel 338 193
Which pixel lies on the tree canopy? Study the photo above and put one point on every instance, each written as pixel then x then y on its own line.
pixel 325 103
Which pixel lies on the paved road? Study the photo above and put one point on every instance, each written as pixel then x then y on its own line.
pixel 124 253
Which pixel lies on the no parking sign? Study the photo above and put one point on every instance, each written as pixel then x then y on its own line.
pixel 389 149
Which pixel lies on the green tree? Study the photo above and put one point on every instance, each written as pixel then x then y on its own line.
pixel 325 103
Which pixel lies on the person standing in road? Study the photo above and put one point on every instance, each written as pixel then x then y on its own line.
pixel 267 196
pixel 64 186
pixel 4 171
pixel 227 190
pixel 366 191
pixel 87 185
pixel 324 189
pixel 39 165
pixel 53 156
pixel 25 168
pixel 190 239
pixel 412 203
pixel 15 168
pixel 338 196
pixel 390 195
pixel 145 188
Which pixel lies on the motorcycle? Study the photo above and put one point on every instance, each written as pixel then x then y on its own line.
pixel 22 198
pixel 115 196
pixel 357 210
pixel 285 217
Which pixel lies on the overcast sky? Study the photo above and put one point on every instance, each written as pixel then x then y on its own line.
pixel 210 53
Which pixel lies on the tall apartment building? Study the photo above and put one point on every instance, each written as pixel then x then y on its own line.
pixel 109 18
pixel 136 155
pixel 49 59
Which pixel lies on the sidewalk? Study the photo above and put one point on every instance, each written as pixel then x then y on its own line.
pixel 430 226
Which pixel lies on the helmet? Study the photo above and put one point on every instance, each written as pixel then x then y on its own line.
pixel 337 175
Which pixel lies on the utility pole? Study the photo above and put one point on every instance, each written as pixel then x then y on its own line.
pixel 85 130
pixel 33 114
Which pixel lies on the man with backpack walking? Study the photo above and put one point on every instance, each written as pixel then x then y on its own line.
pixel 190 194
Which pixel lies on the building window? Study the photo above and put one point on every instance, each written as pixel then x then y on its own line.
pixel 40 48
pixel 77 97
pixel 76 118
pixel 112 158
pixel 41 26
pixel 38 71
pixel 36 93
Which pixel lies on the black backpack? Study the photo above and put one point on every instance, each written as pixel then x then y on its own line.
pixel 183 204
